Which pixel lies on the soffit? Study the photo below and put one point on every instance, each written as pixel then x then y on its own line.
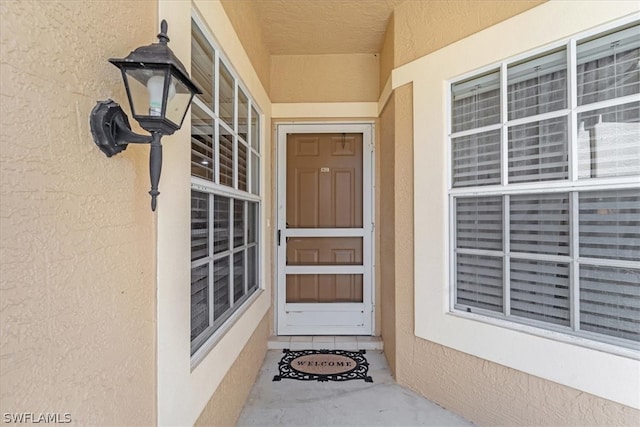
pixel 313 27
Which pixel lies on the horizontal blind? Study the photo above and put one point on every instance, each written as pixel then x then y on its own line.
pixel 537 86
pixel 202 163
pixel 199 299
pixel 226 97
pixel 539 223
pixel 608 66
pixel 238 275
pixel 476 159
pixel 221 225
pixel 255 174
pixel 242 166
pixel 243 114
pixel 609 141
pixel 479 282
pixel 610 224
pixel 476 103
pixel 540 290
pixel 252 268
pixel 610 301
pixel 221 283
pixel 538 151
pixel 226 157
pixel 238 223
pixel 199 225
pixel 479 223
pixel 202 65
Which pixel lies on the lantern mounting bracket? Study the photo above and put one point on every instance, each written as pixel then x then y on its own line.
pixel 111 130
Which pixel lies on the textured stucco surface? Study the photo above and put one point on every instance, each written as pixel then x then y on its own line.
pixel 307 27
pixel 387 53
pixel 481 391
pixel 386 147
pixel 422 27
pixel 77 293
pixel 226 403
pixel 246 22
pixel 325 78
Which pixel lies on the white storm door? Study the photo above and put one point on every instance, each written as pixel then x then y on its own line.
pixel 324 235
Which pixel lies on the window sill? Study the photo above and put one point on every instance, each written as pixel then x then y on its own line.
pixel 552 335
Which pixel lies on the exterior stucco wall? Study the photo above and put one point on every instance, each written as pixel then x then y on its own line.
pixel 325 78
pixel 482 391
pixel 386 229
pixel 245 22
pixel 77 235
pixel 422 27
pixel 226 403
pixel 185 387
pixel 387 53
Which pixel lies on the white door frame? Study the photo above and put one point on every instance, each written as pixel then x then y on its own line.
pixel 285 314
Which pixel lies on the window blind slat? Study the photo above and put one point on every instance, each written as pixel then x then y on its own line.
pixel 476 159
pixel 479 222
pixel 479 281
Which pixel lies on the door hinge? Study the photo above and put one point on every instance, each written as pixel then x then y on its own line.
pixel 279 235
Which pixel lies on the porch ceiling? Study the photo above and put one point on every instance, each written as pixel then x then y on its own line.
pixel 313 27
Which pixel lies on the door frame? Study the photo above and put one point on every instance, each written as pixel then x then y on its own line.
pixel 367 129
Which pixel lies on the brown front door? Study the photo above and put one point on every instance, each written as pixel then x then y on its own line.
pixel 323 236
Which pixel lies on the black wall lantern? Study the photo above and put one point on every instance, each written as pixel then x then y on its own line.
pixel 159 92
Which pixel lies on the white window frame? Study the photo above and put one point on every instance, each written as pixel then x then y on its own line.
pixel 571 185
pixel 206 340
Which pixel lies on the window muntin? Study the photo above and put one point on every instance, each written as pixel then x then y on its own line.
pixel 539 236
pixel 225 202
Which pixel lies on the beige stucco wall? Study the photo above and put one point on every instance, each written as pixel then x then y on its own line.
pixel 422 27
pixel 226 403
pixel 245 22
pixel 387 53
pixel 77 235
pixel 325 78
pixel 484 392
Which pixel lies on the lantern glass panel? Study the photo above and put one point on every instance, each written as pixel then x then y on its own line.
pixel 178 101
pixel 145 90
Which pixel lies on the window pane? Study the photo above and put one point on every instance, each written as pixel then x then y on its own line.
pixel 539 223
pixel 202 69
pixel 243 114
pixel 479 281
pixel 318 288
pixel 221 224
pixel 238 275
pixel 221 280
pixel 538 86
pixel 199 300
pixel 238 223
pixel 226 157
pixel 479 223
pixel 540 291
pixel 255 174
pixel 252 268
pixel 607 66
pixel 609 142
pixel 610 301
pixel 202 163
pixel 226 96
pixel 199 225
pixel 324 251
pixel 476 102
pixel 255 130
pixel 476 159
pixel 252 222
pixel 242 166
pixel 538 151
pixel 610 224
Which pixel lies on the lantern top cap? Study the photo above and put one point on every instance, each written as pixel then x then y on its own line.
pixel 157 55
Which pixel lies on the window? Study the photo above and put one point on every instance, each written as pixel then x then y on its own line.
pixel 225 192
pixel 545 189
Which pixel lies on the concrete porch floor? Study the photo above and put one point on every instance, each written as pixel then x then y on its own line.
pixel 349 403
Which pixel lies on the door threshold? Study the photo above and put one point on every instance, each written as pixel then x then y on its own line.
pixel 325 342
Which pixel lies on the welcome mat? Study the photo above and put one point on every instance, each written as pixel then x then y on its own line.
pixel 323 365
